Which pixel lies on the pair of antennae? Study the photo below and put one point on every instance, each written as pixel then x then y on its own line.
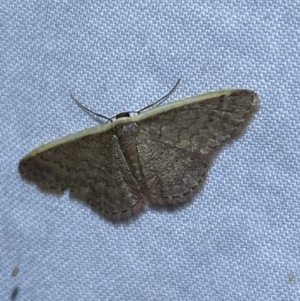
pixel 127 113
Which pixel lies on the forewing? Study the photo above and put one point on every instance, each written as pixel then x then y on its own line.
pixel 202 125
pixel 174 145
pixel 93 168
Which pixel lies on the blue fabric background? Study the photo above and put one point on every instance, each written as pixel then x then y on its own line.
pixel 239 238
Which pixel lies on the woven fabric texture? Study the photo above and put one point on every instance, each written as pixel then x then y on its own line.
pixel 239 237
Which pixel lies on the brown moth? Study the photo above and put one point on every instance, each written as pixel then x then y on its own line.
pixel 158 156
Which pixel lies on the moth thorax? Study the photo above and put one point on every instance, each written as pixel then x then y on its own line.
pixel 126 134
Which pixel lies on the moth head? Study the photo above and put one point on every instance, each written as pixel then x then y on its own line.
pixel 123 114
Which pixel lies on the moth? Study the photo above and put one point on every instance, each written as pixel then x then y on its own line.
pixel 158 156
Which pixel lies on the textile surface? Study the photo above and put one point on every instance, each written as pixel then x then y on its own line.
pixel 238 239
